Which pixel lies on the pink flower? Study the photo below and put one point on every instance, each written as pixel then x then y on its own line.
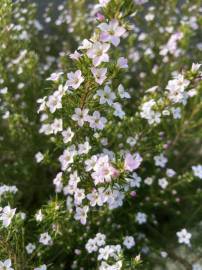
pixel 100 17
pixel 132 162
pixel 111 32
pixel 98 53
pixel 104 171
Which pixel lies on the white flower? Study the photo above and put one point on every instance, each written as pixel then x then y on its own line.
pixel 129 242
pixel 132 140
pixel 7 215
pixel 96 121
pixel 54 102
pixel 112 251
pixel 122 92
pixel 80 116
pixel 84 148
pixel 197 170
pixel 6 265
pixel 148 113
pixel 196 266
pixel 176 113
pixel 118 111
pixel 106 95
pixel 57 125
pixel 57 181
pixel 103 3
pixel 91 163
pixel 104 253
pixel 5 189
pixel 42 102
pixel 30 248
pixel 122 62
pixel 99 74
pixel 4 90
pixel 141 218
pixel 45 239
pixel 67 158
pixel 164 254
pixel 75 56
pixel 46 129
pixel 160 160
pixel 163 183
pixel 148 181
pixel 91 246
pixel 39 157
pixel 135 181
pixel 54 76
pixel 195 67
pixel 171 47
pixel 149 17
pixel 67 134
pixel 105 266
pixel 79 196
pixel 100 239
pixel 86 44
pixel 170 172
pixel 39 216
pixel 176 88
pixel 111 32
pixel 42 267
pixel 75 79
pixel 184 237
pixel 81 214
pixel 98 53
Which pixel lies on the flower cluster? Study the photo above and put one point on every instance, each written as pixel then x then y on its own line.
pixel 100 119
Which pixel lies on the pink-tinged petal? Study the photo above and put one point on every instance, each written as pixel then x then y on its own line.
pixel 78 73
pixel 96 61
pixel 132 162
pixel 114 23
pixel 106 47
pixel 115 41
pixel 104 37
pixel 90 53
pixel 120 31
pixel 103 26
pixel 105 58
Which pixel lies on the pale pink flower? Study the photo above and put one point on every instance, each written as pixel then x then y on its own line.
pixel 111 32
pixel 100 17
pixel 132 162
pixel 98 53
pixel 99 74
pixel 80 116
pixel 75 79
pixel 75 56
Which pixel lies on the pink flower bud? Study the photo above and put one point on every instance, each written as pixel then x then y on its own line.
pixel 100 17
pixel 133 194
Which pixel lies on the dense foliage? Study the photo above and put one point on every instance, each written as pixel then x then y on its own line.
pixel 101 133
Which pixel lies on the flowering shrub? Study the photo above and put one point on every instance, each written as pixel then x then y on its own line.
pixel 101 135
